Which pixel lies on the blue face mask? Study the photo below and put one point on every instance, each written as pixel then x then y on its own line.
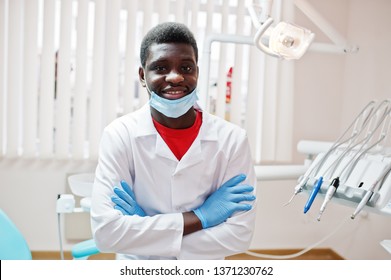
pixel 173 108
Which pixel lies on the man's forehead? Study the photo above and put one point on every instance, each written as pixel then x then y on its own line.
pixel 180 50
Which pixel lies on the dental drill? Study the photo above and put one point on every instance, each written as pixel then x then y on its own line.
pixel 329 194
pixel 370 193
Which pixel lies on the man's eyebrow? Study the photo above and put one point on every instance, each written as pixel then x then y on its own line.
pixel 166 60
pixel 158 61
pixel 189 59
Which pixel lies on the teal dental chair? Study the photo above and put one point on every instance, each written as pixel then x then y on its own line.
pixel 13 246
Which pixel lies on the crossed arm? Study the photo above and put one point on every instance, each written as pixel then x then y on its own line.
pixel 216 209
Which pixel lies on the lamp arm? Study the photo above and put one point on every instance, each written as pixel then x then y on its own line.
pixel 257 38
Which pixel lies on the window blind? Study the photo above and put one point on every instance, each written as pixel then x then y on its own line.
pixel 70 67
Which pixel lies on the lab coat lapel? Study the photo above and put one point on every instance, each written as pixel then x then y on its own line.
pixel 163 150
pixel 192 157
pixel 145 127
pixel 196 155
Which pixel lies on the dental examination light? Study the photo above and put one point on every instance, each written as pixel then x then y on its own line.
pixel 356 169
pixel 285 40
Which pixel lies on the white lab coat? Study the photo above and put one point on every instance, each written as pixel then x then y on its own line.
pixel 132 150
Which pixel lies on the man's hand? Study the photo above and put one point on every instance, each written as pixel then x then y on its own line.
pixel 125 201
pixel 225 201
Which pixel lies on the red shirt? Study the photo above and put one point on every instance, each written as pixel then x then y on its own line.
pixel 179 140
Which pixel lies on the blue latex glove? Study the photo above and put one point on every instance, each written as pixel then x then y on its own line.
pixel 225 201
pixel 125 201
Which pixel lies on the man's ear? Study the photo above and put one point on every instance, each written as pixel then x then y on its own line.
pixel 141 76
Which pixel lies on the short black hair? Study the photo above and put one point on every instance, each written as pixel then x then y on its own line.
pixel 167 32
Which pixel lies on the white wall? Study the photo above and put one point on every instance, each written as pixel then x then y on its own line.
pixel 367 74
pixel 330 90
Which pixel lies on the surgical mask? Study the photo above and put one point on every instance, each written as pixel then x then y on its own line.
pixel 173 108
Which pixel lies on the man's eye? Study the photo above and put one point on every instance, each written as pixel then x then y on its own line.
pixel 159 68
pixel 187 68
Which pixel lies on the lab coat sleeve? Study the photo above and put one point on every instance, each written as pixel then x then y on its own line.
pixel 233 236
pixel 159 235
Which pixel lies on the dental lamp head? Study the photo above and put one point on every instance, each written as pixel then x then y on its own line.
pixel 290 41
pixel 285 40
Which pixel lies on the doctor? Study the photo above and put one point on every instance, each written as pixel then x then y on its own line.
pixel 173 181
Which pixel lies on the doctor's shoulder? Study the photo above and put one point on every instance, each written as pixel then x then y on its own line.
pixel 226 129
pixel 125 124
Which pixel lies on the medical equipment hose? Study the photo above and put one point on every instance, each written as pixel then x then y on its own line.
pixel 59 235
pixel 291 256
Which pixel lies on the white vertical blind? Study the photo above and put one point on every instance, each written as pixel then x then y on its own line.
pixel 194 15
pixel 63 102
pixel 164 10
pixel 210 5
pixel 3 14
pixel 30 73
pixel 111 69
pixel 209 16
pixel 223 66
pixel 237 95
pixel 80 96
pixel 47 82
pixel 95 104
pixel 14 78
pixel 129 94
pixel 69 81
pixel 147 24
pixel 180 10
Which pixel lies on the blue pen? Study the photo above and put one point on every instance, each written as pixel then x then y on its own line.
pixel 313 194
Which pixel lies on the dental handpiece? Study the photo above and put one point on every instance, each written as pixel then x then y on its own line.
pixel 313 194
pixel 298 188
pixel 363 201
pixel 369 193
pixel 329 194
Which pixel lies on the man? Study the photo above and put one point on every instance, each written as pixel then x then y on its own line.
pixel 187 178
